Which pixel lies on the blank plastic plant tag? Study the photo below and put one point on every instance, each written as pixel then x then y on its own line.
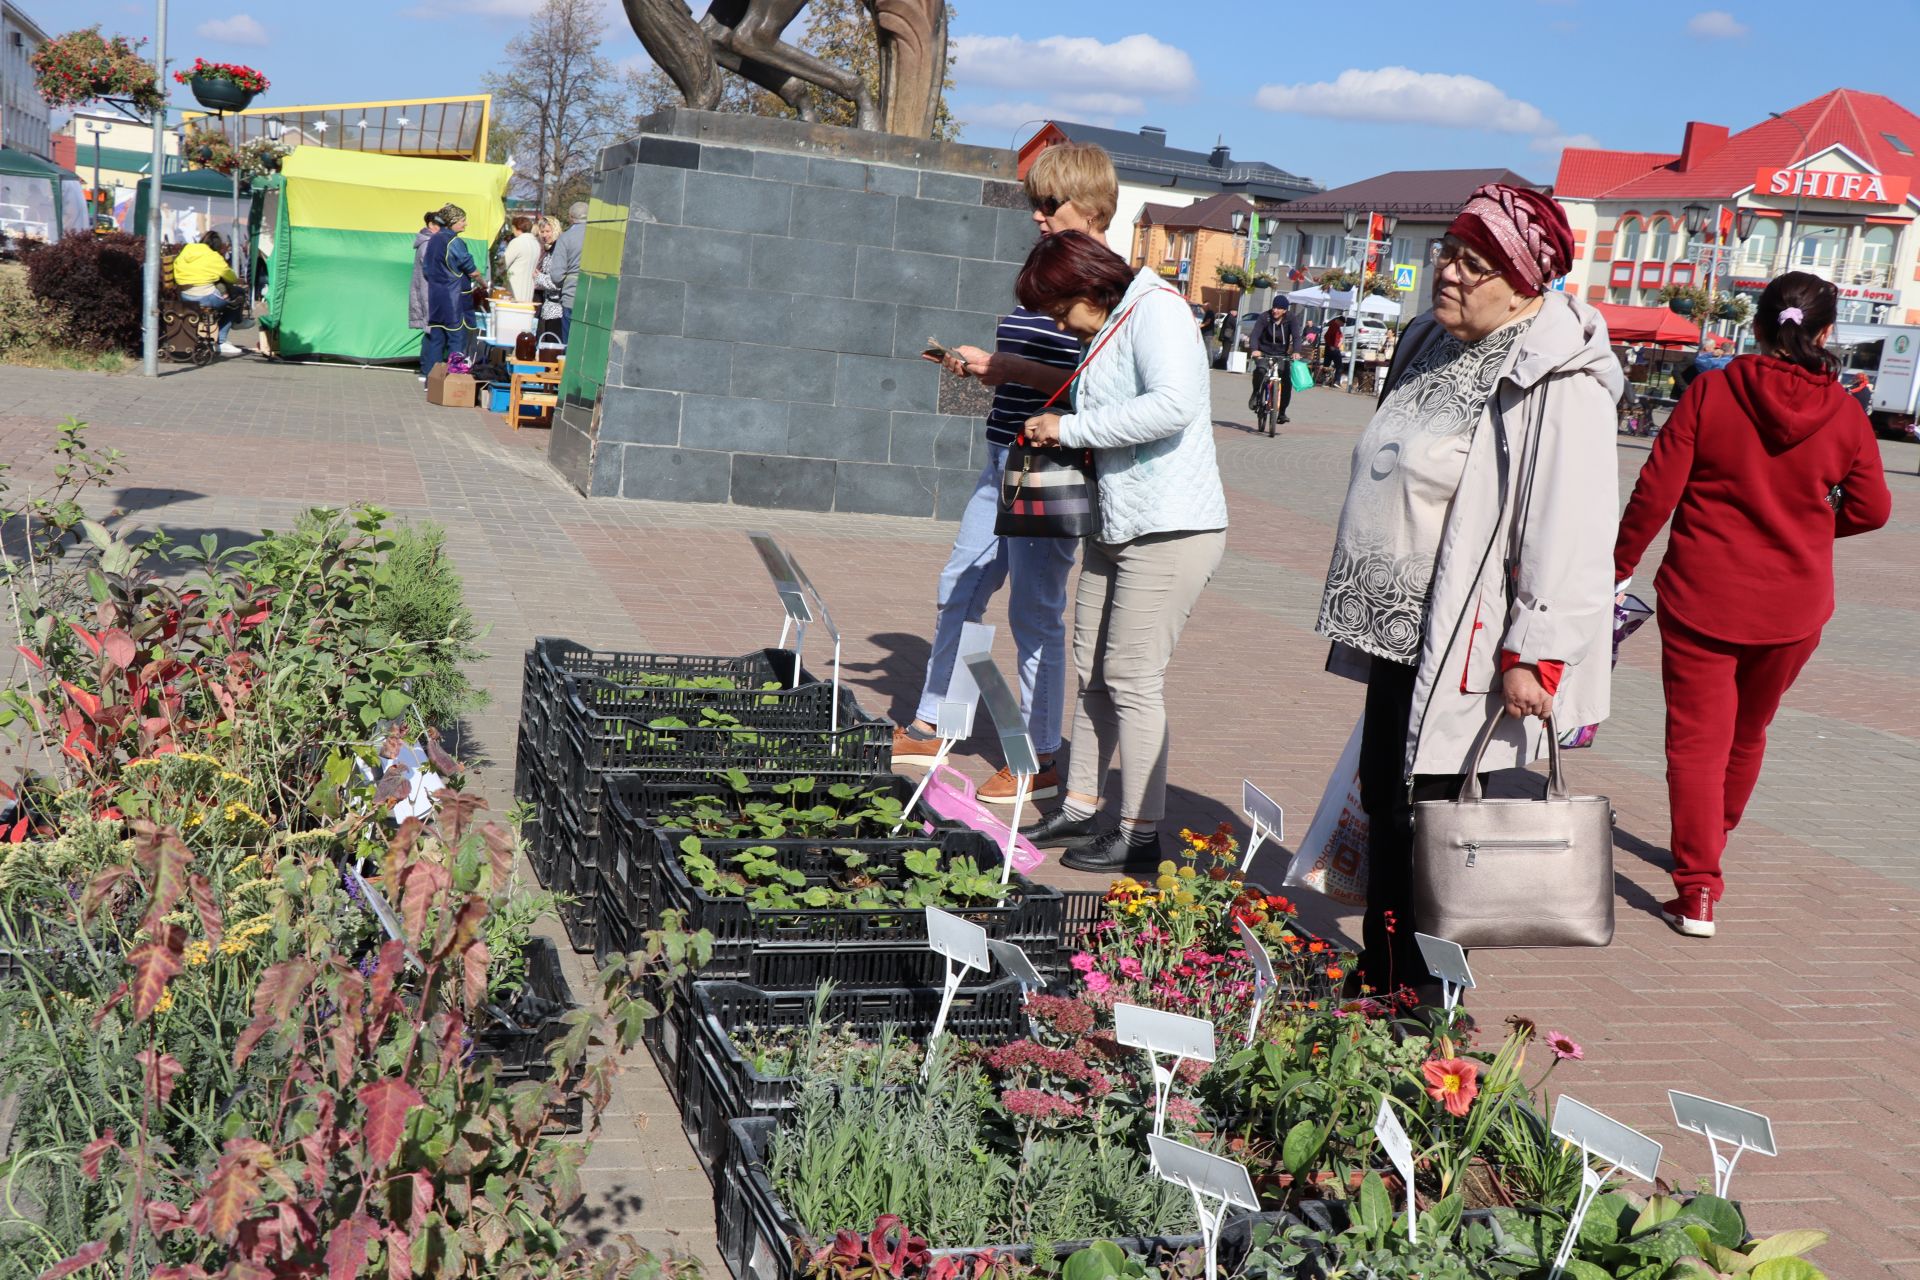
pixel 1268 818
pixel 786 583
pixel 383 912
pixel 833 633
pixel 1399 1149
pixel 1014 960
pixel 1005 710
pixel 964 945
pixel 1720 1122
pixel 1216 1184
pixel 1601 1137
pixel 1263 979
pixel 1446 961
pixel 1173 1034
pixel 975 638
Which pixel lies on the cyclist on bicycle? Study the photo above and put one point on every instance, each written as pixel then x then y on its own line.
pixel 1276 335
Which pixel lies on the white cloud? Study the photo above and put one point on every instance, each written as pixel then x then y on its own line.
pixel 1553 144
pixel 1716 24
pixel 1098 104
pixel 1399 95
pixel 239 29
pixel 1136 64
pixel 1021 117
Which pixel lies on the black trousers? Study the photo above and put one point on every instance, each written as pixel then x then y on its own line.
pixel 1390 958
pixel 1286 385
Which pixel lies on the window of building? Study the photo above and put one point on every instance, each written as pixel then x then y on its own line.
pixel 1287 246
pixel 1876 247
pixel 1760 247
pixel 1403 250
pixel 1901 147
pixel 1817 248
pixel 1320 251
pixel 1186 247
pixel 1172 252
pixel 1626 244
pixel 1661 233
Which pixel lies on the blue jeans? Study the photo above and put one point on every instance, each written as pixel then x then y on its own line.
pixel 566 323
pixel 1036 610
pixel 435 345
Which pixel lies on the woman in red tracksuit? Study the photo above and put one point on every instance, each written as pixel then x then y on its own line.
pixel 1762 466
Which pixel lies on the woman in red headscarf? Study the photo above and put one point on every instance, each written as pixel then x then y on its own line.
pixel 1472 570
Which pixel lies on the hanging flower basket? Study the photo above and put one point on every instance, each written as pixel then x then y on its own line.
pixel 222 86
pixel 84 66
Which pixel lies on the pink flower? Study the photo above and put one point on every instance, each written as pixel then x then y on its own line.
pixel 1082 961
pixel 1130 968
pixel 1098 983
pixel 1037 1104
pixel 1563 1047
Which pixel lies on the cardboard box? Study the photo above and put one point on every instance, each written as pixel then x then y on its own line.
pixel 454 390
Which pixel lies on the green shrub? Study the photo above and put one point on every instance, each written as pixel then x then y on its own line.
pixel 419 598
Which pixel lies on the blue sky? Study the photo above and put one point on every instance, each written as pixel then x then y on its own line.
pixel 1303 85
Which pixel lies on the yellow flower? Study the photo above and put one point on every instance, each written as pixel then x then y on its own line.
pixel 1165 868
pixel 233 946
pixel 249 886
pixel 243 864
pixel 228 775
pixel 1184 898
pixel 1165 882
pixel 1188 873
pixel 236 811
pixel 166 1001
pixel 195 819
pixel 144 762
pixel 197 952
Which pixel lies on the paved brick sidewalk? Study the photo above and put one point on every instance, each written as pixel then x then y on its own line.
pixel 1804 1007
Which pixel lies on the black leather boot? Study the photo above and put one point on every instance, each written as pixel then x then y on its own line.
pixel 1059 831
pixel 1112 852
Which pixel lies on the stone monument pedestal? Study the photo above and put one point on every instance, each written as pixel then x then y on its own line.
pixel 753 301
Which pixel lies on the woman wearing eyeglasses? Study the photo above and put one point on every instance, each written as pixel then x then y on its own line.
pixel 1072 187
pixel 1473 564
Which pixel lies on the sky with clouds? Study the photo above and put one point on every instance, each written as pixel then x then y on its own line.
pixel 1332 91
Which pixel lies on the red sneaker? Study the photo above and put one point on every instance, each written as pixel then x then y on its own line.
pixel 910 750
pixel 1000 788
pixel 1691 913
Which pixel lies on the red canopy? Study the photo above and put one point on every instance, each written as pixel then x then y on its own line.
pixel 1647 324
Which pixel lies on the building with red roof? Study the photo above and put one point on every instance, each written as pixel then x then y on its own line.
pixel 1827 187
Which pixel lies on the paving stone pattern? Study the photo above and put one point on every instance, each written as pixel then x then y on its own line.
pixel 760 315
pixel 1804 1007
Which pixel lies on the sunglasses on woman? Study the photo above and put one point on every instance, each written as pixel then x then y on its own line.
pixel 1047 206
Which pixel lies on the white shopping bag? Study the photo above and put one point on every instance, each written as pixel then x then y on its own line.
pixel 1332 859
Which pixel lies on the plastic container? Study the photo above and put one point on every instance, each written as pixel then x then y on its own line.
pixel 520 1046
pixel 509 319
pixel 720 1085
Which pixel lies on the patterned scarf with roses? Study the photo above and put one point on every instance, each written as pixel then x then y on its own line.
pixel 1405 470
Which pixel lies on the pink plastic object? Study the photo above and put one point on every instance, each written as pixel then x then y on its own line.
pixel 951 795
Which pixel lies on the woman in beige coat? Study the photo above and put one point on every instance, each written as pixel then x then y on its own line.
pixel 1472 569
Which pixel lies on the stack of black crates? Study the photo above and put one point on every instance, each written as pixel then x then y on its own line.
pixel 611 742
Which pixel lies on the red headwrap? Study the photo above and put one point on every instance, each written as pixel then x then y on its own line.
pixel 1522 232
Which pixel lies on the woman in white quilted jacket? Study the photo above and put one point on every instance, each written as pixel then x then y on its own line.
pixel 1141 405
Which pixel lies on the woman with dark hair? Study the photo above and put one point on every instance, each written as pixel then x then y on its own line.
pixel 1763 464
pixel 1333 350
pixel 204 278
pixel 1140 405
pixel 417 290
pixel 1470 573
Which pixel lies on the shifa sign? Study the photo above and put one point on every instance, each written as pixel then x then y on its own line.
pixel 1810 184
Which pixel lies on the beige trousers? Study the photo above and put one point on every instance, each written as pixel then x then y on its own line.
pixel 1131 605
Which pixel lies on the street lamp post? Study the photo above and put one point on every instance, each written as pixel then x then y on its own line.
pixel 1363 247
pixel 150 291
pixel 1806 145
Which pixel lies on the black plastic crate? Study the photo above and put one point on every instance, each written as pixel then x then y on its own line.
pixel 783 742
pixel 552 659
pixel 757 1235
pixel 573 867
pixel 627 847
pixel 1031 915
pixel 532 1022
pixel 721 1085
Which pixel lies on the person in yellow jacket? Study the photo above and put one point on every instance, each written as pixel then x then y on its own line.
pixel 205 279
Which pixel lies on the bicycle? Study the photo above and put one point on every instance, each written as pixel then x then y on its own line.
pixel 1268 370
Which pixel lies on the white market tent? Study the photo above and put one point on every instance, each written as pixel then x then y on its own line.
pixel 1342 302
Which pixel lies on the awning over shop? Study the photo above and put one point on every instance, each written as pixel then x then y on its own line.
pixel 1647 324
pixel 38 199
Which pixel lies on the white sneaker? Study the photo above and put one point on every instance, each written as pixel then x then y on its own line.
pixel 228 349
pixel 423 379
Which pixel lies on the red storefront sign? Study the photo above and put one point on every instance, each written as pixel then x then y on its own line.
pixel 1812 184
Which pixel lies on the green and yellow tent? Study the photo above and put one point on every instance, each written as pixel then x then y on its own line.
pixel 337 232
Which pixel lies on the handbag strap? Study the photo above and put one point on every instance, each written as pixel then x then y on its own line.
pixel 1082 366
pixel 1556 779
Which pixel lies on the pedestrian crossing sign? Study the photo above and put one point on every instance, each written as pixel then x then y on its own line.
pixel 1405 275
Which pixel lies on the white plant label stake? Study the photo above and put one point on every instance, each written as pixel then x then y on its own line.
pixel 1268 819
pixel 1263 979
pixel 1216 1184
pixel 1446 961
pixel 793 597
pixel 1621 1149
pixel 964 944
pixel 1014 960
pixel 954 719
pixel 1720 1122
pixel 826 617
pixel 1174 1035
pixel 1399 1149
pixel 1015 743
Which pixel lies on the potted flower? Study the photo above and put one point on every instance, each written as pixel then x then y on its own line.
pixel 222 86
pixel 85 66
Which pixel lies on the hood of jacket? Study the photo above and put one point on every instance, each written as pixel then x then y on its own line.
pixel 1786 403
